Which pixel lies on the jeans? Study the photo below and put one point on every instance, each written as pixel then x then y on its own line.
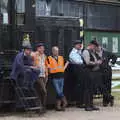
pixel 58 84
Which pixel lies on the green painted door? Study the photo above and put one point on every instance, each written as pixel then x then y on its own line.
pixel 109 40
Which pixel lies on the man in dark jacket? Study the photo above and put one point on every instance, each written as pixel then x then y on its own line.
pixel 106 56
pixel 92 64
pixel 23 67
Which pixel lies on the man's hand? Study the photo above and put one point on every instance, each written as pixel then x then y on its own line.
pixel 34 67
pixel 99 62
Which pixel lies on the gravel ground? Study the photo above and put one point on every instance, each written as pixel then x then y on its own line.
pixel 109 113
pixel 72 113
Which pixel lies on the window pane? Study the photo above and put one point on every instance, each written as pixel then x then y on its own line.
pixel 42 8
pixel 3 6
pixel 20 6
pixel 101 16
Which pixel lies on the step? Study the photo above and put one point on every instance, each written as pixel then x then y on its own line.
pixel 7 101
pixel 28 98
pixel 6 78
pixel 22 88
pixel 33 108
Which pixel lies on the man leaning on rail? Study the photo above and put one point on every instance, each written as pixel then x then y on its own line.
pixel 82 74
pixel 23 68
pixel 39 59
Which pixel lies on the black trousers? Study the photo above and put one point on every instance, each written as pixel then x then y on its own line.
pixel 107 79
pixel 84 85
pixel 70 83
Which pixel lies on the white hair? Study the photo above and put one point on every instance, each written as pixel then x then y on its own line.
pixel 55 48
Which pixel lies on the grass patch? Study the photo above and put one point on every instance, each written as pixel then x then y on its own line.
pixel 116 87
pixel 117 79
pixel 116 95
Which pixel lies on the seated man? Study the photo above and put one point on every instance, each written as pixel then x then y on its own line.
pixel 23 66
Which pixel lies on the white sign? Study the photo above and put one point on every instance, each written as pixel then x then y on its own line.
pixel 105 42
pixel 115 44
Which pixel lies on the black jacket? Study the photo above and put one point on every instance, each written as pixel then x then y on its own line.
pixel 107 56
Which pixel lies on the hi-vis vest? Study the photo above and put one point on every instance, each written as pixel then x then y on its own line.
pixel 56 66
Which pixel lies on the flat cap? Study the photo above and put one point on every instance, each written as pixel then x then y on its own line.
pixel 39 44
pixel 94 42
pixel 27 47
pixel 77 42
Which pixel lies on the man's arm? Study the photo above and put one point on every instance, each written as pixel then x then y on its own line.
pixel 66 64
pixel 19 61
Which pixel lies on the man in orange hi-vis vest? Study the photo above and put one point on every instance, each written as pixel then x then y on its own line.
pixel 56 68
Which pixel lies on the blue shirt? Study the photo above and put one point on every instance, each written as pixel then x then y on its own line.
pixel 75 56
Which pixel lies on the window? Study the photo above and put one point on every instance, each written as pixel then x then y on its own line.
pixel 101 16
pixel 20 6
pixel 4 11
pixel 20 12
pixel 3 6
pixel 43 8
pixel 115 44
pixel 59 8
pixel 105 42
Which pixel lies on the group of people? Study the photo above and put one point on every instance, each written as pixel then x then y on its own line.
pixel 37 68
pixel 91 72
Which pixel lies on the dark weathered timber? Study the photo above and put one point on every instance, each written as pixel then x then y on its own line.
pixel 58 21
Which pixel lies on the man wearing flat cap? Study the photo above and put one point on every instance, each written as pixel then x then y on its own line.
pixel 39 59
pixel 79 74
pixel 74 56
pixel 75 60
pixel 92 64
pixel 23 67
pixel 89 54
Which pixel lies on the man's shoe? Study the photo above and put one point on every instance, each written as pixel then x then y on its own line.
pixel 95 108
pixel 58 109
pixel 64 102
pixel 81 106
pixel 112 101
pixel 58 106
pixel 88 109
pixel 105 104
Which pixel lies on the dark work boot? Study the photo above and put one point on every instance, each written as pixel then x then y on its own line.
pixel 108 100
pixel 64 103
pixel 105 101
pixel 58 105
pixel 111 100
pixel 81 106
pixel 95 108
pixel 88 109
